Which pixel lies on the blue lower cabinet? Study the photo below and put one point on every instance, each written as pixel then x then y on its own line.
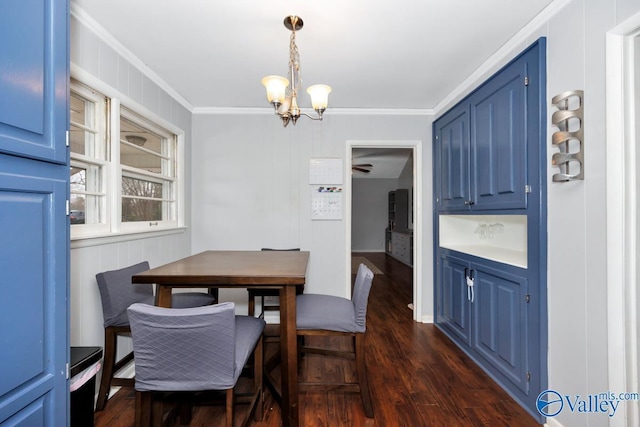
pixel 484 306
pixel 453 305
pixel 500 319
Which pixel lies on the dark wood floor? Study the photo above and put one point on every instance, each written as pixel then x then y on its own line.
pixel 417 376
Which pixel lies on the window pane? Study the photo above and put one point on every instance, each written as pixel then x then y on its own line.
pixel 138 202
pixel 86 208
pixel 140 148
pixel 83 130
pixel 78 179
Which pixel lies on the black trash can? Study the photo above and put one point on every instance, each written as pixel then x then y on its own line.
pixel 82 399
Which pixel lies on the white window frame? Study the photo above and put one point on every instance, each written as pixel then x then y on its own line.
pixel 100 161
pixel 114 227
pixel 133 172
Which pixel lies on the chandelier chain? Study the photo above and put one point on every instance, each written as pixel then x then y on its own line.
pixel 295 76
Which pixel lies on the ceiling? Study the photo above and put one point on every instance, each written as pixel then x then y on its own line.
pixel 387 163
pixel 401 54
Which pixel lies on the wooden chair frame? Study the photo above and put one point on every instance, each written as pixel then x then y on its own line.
pixel 110 366
pixel 358 354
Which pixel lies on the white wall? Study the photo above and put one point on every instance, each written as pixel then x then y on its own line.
pixel 96 58
pixel 250 186
pixel 577 212
pixel 370 213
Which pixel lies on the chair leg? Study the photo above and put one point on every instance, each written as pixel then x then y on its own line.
pixel 185 412
pixel 157 410
pixel 110 350
pixel 258 364
pixel 214 292
pixel 229 408
pixel 361 369
pixel 252 305
pixel 143 409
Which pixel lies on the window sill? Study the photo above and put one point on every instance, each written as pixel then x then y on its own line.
pixel 104 239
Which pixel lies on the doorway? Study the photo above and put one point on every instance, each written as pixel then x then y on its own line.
pixel 623 211
pixel 388 160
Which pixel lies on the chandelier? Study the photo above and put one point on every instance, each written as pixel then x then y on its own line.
pixel 282 93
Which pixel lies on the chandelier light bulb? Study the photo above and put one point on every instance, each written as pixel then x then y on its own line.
pixel 319 96
pixel 276 88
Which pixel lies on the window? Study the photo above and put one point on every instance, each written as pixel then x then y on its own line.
pixel 123 170
pixel 148 164
pixel 88 143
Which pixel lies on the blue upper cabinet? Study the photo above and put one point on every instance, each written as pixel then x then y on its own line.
pixel 33 93
pixel 34 228
pixel 497 141
pixel 480 145
pixel 451 159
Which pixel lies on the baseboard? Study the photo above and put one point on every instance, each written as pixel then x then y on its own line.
pixel 427 319
pixel 552 422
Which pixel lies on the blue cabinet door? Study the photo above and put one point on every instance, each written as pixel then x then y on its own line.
pixel 453 305
pixel 500 319
pixel 34 229
pixel 451 160
pixel 498 137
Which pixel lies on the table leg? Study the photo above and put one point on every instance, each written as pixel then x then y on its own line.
pixel 289 356
pixel 163 296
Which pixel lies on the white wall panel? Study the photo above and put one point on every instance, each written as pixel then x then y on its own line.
pixel 251 181
pixel 99 59
pixel 566 225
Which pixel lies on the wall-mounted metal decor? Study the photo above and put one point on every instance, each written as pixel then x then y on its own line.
pixel 570 137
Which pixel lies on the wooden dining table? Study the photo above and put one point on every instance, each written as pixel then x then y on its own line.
pixel 282 270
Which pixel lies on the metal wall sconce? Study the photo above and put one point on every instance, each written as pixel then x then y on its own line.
pixel 570 137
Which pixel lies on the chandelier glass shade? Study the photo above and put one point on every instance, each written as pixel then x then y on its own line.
pixel 282 93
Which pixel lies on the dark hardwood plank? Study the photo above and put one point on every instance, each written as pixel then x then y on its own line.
pixel 417 376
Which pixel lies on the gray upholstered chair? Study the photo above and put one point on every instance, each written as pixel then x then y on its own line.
pixel 327 315
pixel 193 350
pixel 262 293
pixel 117 293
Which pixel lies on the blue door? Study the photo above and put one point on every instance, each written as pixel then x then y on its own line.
pixel 451 160
pixel 500 319
pixel 453 306
pixel 34 230
pixel 498 140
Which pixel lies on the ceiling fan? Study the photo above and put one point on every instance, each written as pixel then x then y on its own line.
pixel 362 167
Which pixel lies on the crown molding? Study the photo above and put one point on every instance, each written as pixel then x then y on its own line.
pixel 83 17
pixel 331 111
